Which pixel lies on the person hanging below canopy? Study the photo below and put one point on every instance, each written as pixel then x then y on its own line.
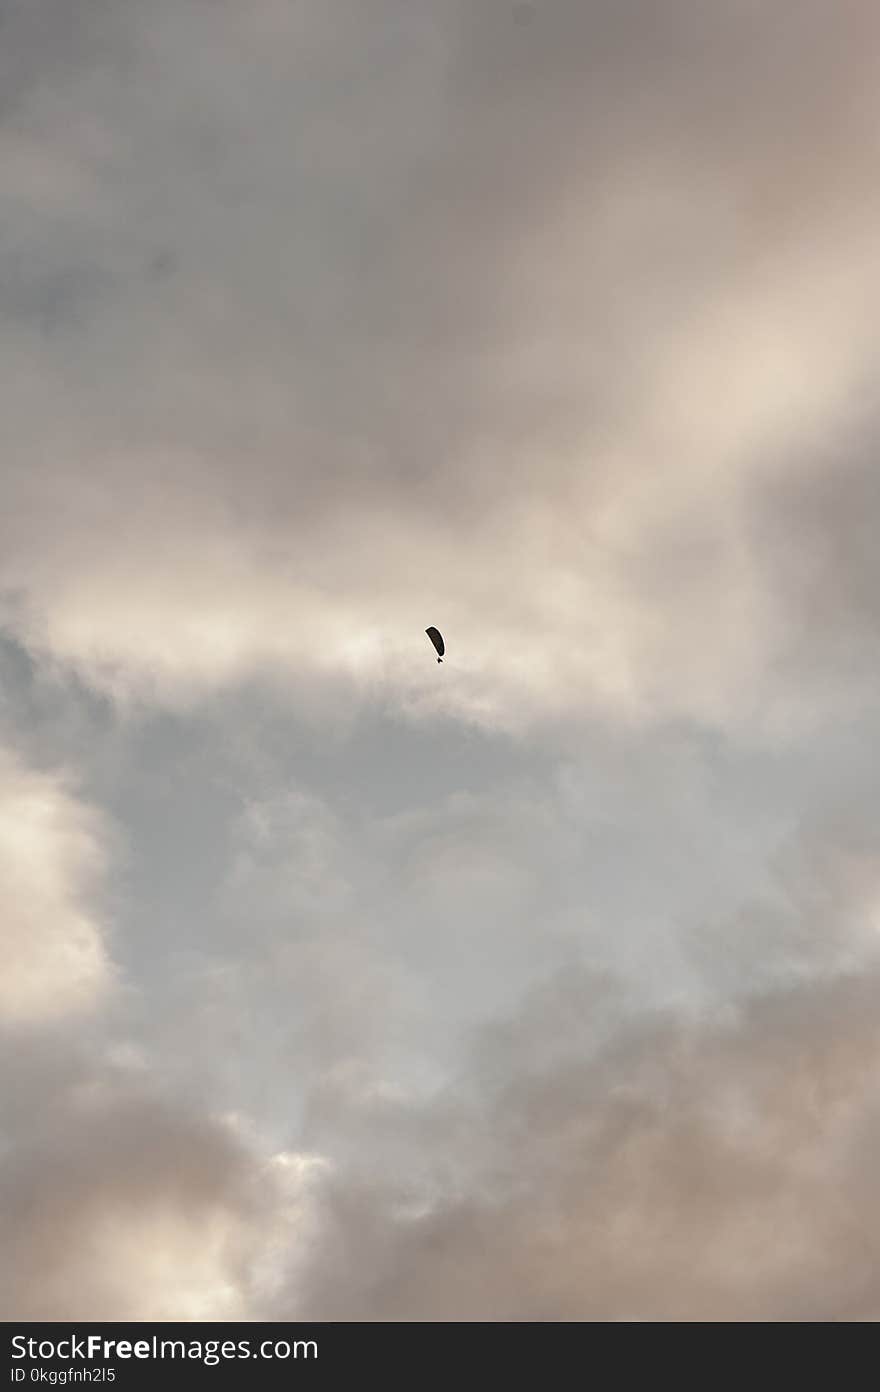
pixel 436 638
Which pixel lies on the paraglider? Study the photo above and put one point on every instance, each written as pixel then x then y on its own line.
pixel 436 638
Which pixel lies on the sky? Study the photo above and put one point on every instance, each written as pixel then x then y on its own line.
pixel 337 984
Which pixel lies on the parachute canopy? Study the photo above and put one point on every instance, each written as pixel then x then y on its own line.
pixel 436 638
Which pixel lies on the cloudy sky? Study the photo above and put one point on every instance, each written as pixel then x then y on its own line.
pixel 335 983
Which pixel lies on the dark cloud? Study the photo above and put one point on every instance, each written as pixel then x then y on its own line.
pixel 45 41
pixel 708 1171
pixel 112 1198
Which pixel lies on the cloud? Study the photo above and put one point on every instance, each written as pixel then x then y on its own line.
pixel 684 1170
pixel 53 858
pixel 504 327
pixel 113 1199
pixel 536 985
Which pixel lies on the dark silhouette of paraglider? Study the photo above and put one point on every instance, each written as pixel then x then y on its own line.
pixel 436 638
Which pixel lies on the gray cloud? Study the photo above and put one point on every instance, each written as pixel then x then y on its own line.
pixel 536 985
pixel 684 1171
pixel 115 1198
pixel 483 345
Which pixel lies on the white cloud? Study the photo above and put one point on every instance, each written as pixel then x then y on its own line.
pixel 52 863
